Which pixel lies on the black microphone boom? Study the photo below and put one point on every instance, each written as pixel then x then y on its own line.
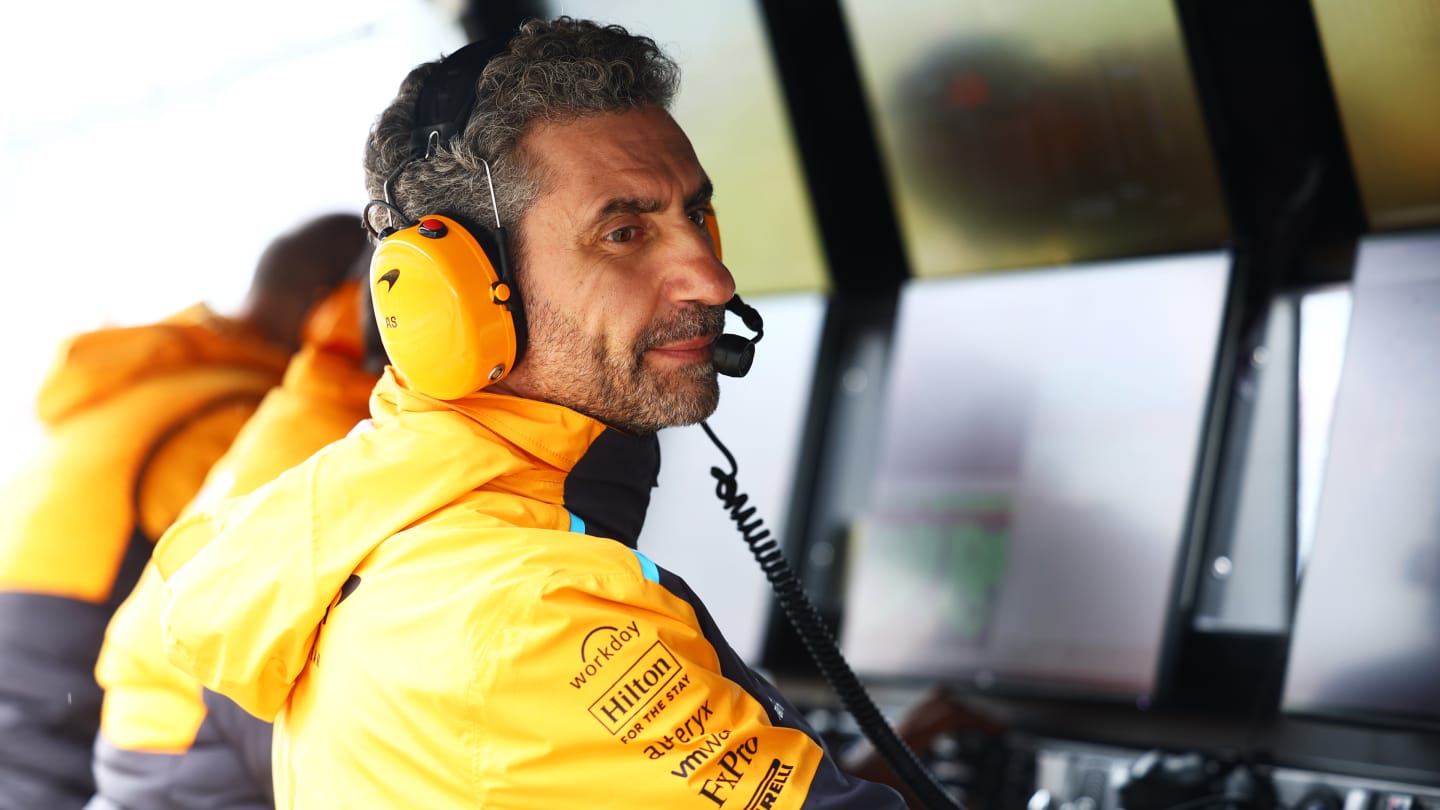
pixel 734 354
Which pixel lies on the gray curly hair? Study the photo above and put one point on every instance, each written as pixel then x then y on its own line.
pixel 555 72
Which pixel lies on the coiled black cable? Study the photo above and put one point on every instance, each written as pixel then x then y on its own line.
pixel 817 639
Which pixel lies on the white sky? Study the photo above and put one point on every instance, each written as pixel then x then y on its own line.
pixel 149 150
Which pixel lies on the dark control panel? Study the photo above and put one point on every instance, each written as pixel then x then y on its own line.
pixel 1309 790
pixel 1079 776
pixel 968 765
pixel 1082 776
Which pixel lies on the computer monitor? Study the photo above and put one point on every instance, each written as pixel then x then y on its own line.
pixel 1039 133
pixel 1038 452
pixel 1365 644
pixel 1382 59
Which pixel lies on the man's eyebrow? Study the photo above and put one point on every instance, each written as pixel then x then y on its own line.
pixel 649 205
pixel 629 205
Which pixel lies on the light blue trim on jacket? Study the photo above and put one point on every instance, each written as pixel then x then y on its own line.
pixel 648 567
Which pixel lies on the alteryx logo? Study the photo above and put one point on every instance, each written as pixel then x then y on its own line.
pixel 599 646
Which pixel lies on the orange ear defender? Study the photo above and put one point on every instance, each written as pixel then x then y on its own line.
pixel 449 318
pixel 713 226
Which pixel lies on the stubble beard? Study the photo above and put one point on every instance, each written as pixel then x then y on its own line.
pixel 584 374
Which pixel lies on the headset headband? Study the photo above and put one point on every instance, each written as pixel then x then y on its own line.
pixel 447 96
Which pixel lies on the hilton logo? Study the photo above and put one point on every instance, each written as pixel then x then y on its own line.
pixel 641 684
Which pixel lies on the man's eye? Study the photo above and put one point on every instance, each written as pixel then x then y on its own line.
pixel 621 235
pixel 699 215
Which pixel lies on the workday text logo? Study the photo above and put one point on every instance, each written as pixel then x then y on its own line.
pixel 599 646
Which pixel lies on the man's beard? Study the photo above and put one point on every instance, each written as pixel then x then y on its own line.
pixel 582 373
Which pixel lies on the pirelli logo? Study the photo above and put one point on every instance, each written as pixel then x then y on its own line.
pixel 644 681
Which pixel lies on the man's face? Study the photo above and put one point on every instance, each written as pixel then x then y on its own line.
pixel 623 291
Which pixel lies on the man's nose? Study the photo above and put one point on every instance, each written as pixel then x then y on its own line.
pixel 699 274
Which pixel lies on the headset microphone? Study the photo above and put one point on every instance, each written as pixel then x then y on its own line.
pixel 734 354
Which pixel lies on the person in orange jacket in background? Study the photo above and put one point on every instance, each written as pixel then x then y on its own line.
pixel 164 742
pixel 135 417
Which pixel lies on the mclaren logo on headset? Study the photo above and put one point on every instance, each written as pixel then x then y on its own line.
pixel 391 276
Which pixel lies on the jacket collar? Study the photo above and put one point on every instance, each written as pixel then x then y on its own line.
pixel 608 474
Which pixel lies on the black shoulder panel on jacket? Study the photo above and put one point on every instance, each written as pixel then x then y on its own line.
pixel 609 488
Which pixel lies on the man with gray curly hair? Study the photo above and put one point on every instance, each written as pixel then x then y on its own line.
pixel 447 608
pixel 548 109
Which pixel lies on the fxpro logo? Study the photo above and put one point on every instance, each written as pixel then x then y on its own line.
pixel 731 768
pixel 599 646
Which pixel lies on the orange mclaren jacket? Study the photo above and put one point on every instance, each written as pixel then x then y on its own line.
pixel 135 418
pixel 163 745
pixel 448 611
